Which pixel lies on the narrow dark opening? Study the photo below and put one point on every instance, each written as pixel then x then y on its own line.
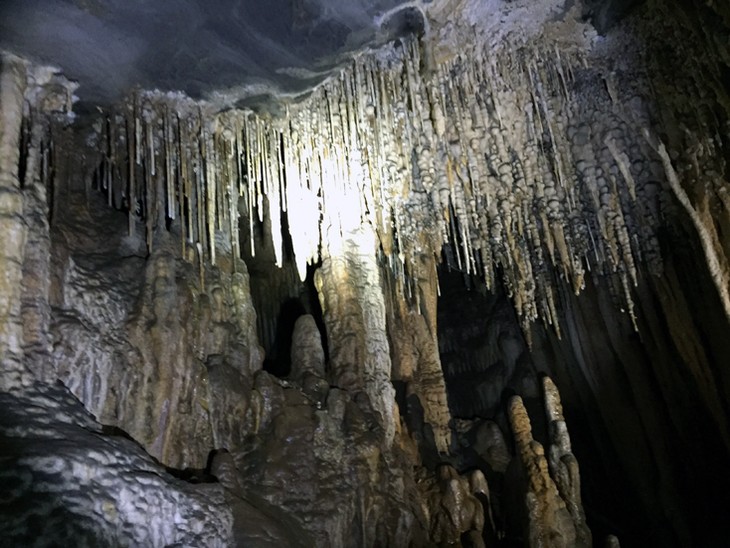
pixel 24 147
pixel 278 356
pixel 482 348
pixel 400 395
pixel 279 296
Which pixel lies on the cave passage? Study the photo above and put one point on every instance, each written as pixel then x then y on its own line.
pixel 279 296
pixel 482 347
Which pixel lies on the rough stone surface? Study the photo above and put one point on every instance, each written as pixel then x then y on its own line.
pixel 307 354
pixel 66 482
pixel 13 80
pixel 255 522
pixel 350 489
pixel 412 332
pixel 353 304
pixel 145 348
pixel 547 515
pixel 27 92
pixel 454 508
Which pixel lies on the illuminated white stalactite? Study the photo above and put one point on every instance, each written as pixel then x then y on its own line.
pixel 149 164
pixel 352 300
pixel 200 211
pixel 274 184
pixel 234 184
pixel 210 192
pixel 249 182
pixel 258 167
pixel 487 152
pixel 132 144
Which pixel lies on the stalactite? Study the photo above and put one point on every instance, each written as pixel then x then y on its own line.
pixel 486 153
pixel 720 276
pixel 132 144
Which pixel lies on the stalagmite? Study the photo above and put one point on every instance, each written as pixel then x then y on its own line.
pixel 353 304
pixel 456 512
pixel 307 354
pixel 563 464
pixel 547 513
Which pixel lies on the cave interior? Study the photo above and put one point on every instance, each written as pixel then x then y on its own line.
pixel 365 273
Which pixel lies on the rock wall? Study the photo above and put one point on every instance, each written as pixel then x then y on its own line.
pixel 66 481
pixel 143 345
pixel 413 336
pixel 32 99
pixel 12 89
pixel 353 304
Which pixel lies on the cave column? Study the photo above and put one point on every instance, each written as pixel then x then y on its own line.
pixel 35 303
pixel 416 358
pixel 351 295
pixel 13 82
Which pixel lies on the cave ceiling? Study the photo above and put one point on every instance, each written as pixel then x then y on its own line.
pixel 193 46
pixel 239 52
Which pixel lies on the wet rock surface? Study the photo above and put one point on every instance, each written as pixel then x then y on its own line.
pixel 66 482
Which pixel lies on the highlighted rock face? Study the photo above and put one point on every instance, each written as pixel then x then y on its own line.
pixel 550 521
pixel 65 481
pixel 496 154
pixel 455 510
pixel 307 355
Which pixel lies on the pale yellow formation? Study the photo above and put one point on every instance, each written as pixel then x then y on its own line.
pixel 13 81
pixel 485 151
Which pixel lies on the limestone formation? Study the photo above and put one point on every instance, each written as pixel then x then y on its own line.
pixel 353 304
pixel 563 464
pixel 65 481
pixel 454 509
pixel 12 88
pixel 440 233
pixel 307 354
pixel 550 523
pixel 188 354
pixel 26 91
pixel 337 160
pixel 551 482
pixel 413 338
pixel 491 445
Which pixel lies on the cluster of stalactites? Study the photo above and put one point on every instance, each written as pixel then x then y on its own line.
pixel 165 162
pixel 491 154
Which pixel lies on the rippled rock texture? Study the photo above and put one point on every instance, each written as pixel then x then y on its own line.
pixel 66 481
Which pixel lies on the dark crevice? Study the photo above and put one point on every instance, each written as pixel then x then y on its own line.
pixel 279 296
pixel 482 347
